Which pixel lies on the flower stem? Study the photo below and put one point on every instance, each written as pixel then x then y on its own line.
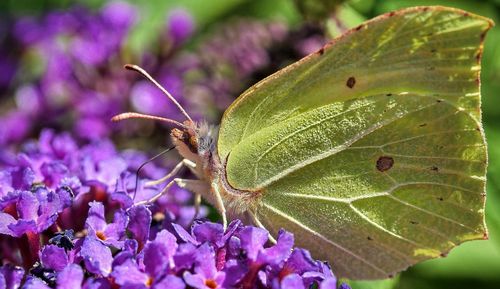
pixel 30 246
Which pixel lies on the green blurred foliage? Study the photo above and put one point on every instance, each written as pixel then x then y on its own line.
pixel 471 265
pixel 316 9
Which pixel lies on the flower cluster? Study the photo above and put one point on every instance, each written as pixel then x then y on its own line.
pixel 60 60
pixel 68 74
pixel 69 219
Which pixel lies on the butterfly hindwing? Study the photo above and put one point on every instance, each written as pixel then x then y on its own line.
pixel 371 150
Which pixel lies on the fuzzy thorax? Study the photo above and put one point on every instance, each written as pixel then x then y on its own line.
pixel 198 143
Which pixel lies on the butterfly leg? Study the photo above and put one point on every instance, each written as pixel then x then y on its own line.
pixel 197 203
pixel 219 205
pixel 174 171
pixel 198 188
pixel 157 196
pixel 257 223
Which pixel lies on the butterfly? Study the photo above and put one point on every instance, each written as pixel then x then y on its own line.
pixel 370 150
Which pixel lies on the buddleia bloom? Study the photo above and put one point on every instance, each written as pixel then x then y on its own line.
pixel 116 241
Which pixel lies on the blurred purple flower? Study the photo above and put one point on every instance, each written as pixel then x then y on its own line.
pixel 120 15
pixel 8 69
pixel 147 98
pixel 180 26
pixel 15 126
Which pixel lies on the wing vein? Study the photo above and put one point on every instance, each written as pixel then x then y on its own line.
pixel 320 236
pixel 380 227
pixel 337 148
pixel 431 213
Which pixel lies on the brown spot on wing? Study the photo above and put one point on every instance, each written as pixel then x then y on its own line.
pixel 384 163
pixel 351 81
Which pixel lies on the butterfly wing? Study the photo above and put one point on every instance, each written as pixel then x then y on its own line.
pixel 370 150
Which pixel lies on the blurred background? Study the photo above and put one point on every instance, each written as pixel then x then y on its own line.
pixel 61 67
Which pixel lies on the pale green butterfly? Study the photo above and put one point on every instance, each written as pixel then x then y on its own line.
pixel 371 150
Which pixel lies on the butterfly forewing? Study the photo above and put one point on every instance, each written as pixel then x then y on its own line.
pixel 371 150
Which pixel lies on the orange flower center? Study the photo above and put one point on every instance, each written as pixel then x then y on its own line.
pixel 149 282
pixel 210 283
pixel 100 235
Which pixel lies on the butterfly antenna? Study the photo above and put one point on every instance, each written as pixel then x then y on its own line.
pixel 144 164
pixel 128 115
pixel 143 72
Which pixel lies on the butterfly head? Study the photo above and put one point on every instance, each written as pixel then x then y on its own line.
pixel 195 140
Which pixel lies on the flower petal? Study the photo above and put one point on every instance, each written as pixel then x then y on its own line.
pixel 70 278
pixel 53 257
pixel 292 281
pixel 97 257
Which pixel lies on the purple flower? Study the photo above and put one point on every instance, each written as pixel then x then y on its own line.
pixel 110 234
pixel 35 283
pixel 140 224
pixel 119 15
pixel 54 257
pixel 28 31
pixel 8 70
pixel 97 256
pixel 180 26
pixel 158 254
pixel 37 211
pixel 253 240
pixel 71 277
pixel 96 283
pixel 205 274
pixel 292 281
pixel 15 126
pixel 157 260
pixel 10 276
pixel 146 98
